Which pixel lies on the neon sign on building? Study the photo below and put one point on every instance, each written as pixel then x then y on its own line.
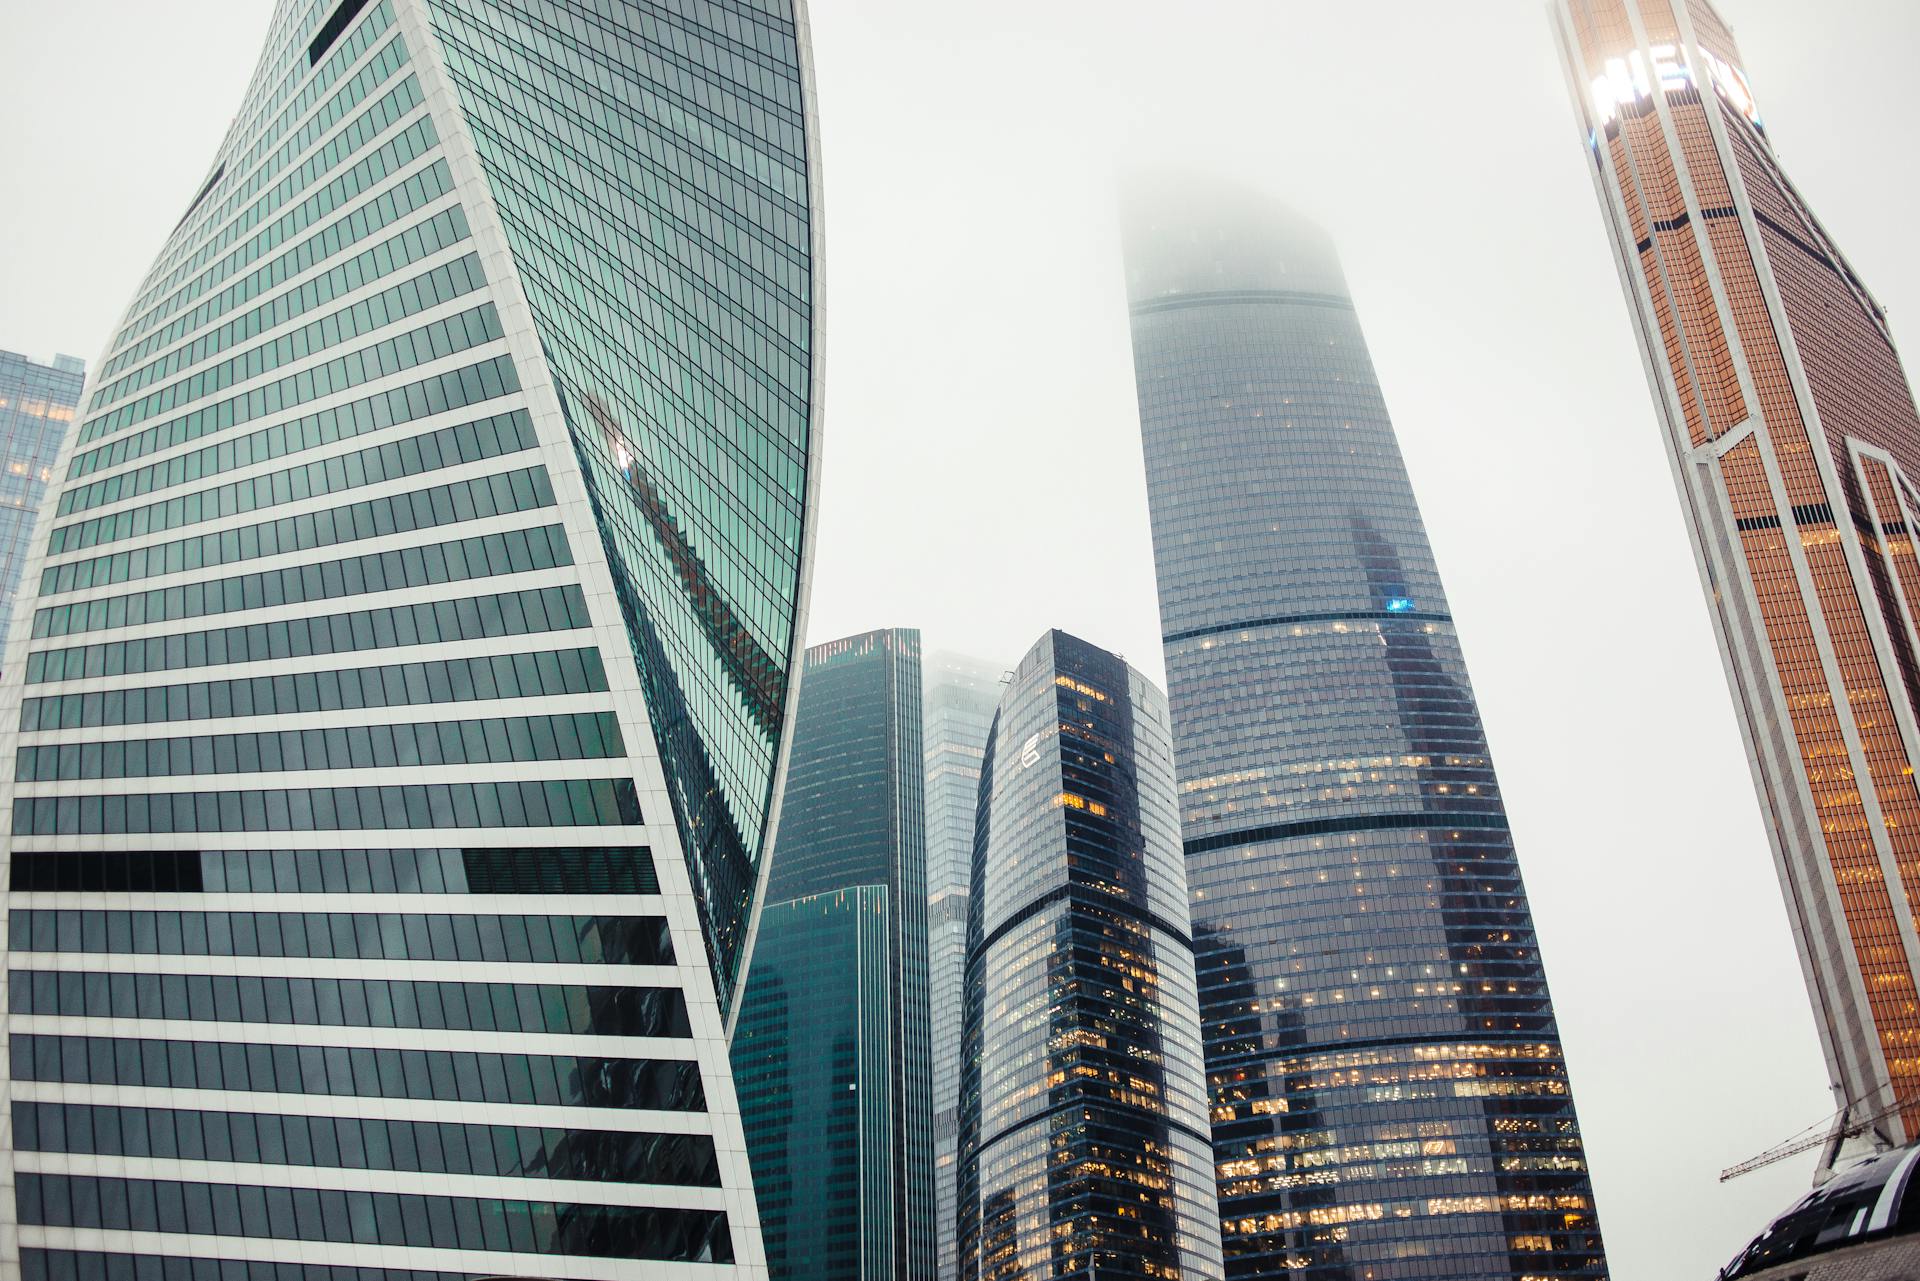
pixel 1627 80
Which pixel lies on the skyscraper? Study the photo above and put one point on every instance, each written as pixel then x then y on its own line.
pixel 961 696
pixel 37 404
pixel 1083 1131
pixel 1389 1095
pixel 813 1060
pixel 832 1055
pixel 1795 445
pixel 403 678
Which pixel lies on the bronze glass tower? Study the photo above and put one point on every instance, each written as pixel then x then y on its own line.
pixel 1794 443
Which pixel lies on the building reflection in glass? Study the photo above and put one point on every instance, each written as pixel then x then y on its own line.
pixel 830 1054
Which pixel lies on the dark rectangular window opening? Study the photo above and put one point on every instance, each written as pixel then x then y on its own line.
pixel 205 191
pixel 330 30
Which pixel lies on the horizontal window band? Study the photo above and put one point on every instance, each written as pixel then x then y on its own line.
pixel 397 302
pixel 578 802
pixel 436 394
pixel 1241 297
pixel 551 1009
pixel 1328 616
pixel 522 613
pixel 510 551
pixel 1294 1055
pixel 1486 822
pixel 38 1264
pixel 517 939
pixel 444 1076
pixel 1099 1107
pixel 1296 1059
pixel 405 146
pixel 1682 219
pixel 374 1218
pixel 453 446
pixel 498 740
pixel 552 673
pixel 367 1143
pixel 1081 896
pixel 529 869
pixel 408 349
pixel 373 264
pixel 273 147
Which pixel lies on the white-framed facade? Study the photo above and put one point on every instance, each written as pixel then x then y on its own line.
pixel 344 153
pixel 1723 264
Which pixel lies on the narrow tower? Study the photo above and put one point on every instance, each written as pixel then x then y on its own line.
pixel 1083 1143
pixel 1389 1095
pixel 401 679
pixel 1792 429
pixel 830 1050
pixel 961 695
pixel 38 404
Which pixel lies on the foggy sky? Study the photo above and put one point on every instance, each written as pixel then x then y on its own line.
pixel 983 464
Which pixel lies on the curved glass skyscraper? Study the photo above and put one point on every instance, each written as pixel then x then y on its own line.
pixel 1083 1147
pixel 1388 1092
pixel 402 678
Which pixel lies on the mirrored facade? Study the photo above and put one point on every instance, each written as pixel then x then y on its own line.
pixel 1083 1136
pixel 850 862
pixel 961 696
pixel 813 1059
pixel 37 408
pixel 1796 447
pixel 1389 1096
pixel 402 671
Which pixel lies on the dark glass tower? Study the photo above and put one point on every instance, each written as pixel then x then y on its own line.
pixel 400 683
pixel 1389 1096
pixel 813 1060
pixel 1083 1144
pixel 842 1150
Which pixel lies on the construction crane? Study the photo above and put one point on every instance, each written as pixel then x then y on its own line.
pixel 1832 1131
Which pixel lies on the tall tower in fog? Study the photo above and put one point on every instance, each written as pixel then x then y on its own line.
pixel 1796 448
pixel 961 695
pixel 1389 1096
pixel 402 675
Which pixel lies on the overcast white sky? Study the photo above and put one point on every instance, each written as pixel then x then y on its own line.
pixel 983 467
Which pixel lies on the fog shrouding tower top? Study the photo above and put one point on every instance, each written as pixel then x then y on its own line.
pixel 404 664
pixel 961 696
pixel 1388 1091
pixel 1795 445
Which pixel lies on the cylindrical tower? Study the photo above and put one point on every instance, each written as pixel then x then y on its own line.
pixel 1388 1090
pixel 1083 1146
